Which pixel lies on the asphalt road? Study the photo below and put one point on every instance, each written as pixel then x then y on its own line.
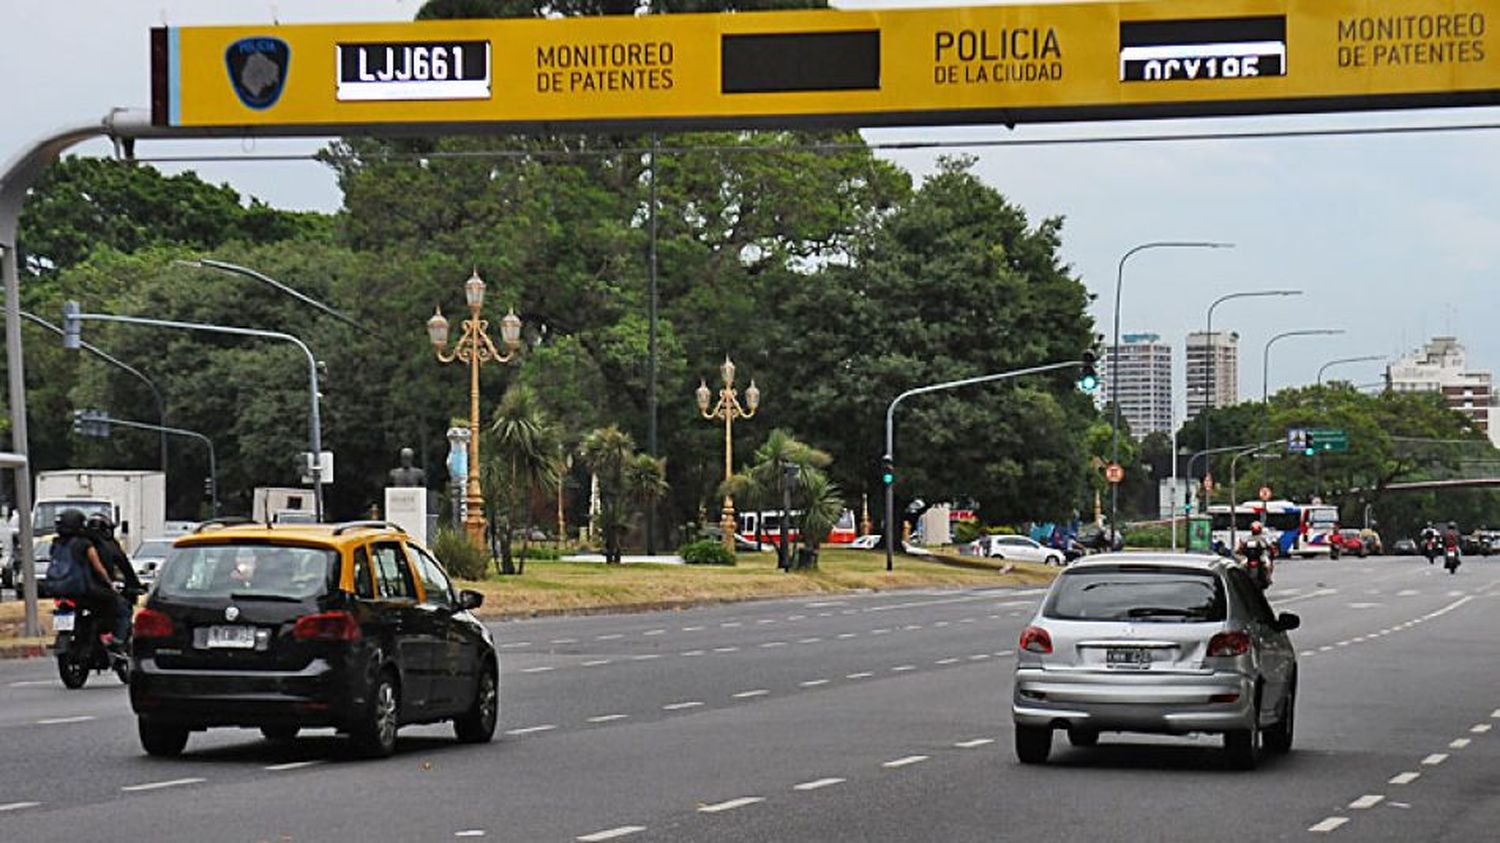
pixel 872 717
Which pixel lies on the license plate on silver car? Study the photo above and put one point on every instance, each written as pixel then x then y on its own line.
pixel 1128 657
pixel 231 637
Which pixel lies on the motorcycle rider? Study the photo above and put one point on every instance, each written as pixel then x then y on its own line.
pixel 1257 550
pixel 1430 541
pixel 1451 543
pixel 101 531
pixel 101 597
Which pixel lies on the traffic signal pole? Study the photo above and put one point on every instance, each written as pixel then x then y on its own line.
pixel 889 458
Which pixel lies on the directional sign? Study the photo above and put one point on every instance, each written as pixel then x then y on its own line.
pixel 1320 440
pixel 983 64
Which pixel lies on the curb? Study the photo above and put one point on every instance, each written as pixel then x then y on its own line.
pixel 24 651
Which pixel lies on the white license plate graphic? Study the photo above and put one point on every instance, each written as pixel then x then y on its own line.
pixel 232 637
pixel 62 623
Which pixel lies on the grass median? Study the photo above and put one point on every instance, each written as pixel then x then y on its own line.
pixel 560 587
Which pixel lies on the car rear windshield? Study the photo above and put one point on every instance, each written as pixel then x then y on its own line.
pixel 1137 593
pixel 246 571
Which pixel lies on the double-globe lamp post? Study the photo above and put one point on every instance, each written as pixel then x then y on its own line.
pixel 475 348
pixel 1114 356
pixel 728 408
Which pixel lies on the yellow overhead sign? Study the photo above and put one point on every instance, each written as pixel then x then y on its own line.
pixel 1005 64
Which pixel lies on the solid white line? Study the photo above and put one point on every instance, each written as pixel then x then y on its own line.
pixel 811 683
pixel 1329 824
pixel 860 675
pixel 745 695
pixel 1404 778
pixel 18 806
pixel 58 721
pixel 902 762
pixel 532 729
pixel 292 765
pixel 678 706
pixel 610 637
pixel 730 805
pixel 1369 800
pixel 136 788
pixel 591 662
pixel 974 743
pixel 816 784
pixel 610 833
pixel 1435 759
pixel 1480 728
pixel 900 668
pixel 1459 743
pixel 542 669
pixel 607 718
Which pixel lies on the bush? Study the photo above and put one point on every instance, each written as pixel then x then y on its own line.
pixel 463 560
pixel 542 552
pixel 1157 536
pixel 705 552
pixel 965 531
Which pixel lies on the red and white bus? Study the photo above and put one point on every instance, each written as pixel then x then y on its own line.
pixel 768 525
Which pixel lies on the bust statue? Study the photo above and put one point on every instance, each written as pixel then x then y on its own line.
pixel 407 474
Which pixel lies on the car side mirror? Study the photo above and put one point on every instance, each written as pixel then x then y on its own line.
pixel 1286 621
pixel 469 599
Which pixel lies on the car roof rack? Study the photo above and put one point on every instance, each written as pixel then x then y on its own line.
pixel 367 525
pixel 221 523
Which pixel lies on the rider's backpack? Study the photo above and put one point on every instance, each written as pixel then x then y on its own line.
pixel 67 574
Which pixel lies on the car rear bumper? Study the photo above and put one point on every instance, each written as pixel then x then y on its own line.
pixel 320 694
pixel 1134 702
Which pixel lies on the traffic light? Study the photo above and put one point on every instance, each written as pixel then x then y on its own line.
pixel 72 326
pixel 208 488
pixel 91 423
pixel 887 471
pixel 1088 376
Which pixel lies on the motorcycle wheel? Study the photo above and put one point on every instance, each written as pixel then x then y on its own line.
pixel 122 670
pixel 73 672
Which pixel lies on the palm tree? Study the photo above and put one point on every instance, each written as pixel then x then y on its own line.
pixel 525 458
pixel 761 485
pixel 627 481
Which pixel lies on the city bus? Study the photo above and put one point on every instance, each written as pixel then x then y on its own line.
pixel 765 528
pixel 1296 529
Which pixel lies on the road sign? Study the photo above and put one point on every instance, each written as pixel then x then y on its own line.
pixel 1005 64
pixel 1264 493
pixel 1296 440
pixel 1321 440
pixel 1114 472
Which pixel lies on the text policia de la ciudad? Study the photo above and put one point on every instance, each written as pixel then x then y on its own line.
pixel 579 68
pixel 975 56
pixel 1402 40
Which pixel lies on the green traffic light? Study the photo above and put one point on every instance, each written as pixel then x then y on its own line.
pixel 1088 383
pixel 887 478
pixel 1309 452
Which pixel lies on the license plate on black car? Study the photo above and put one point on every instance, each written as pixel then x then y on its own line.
pixel 1131 657
pixel 231 637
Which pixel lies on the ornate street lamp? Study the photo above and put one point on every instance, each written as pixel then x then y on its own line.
pixel 728 408
pixel 475 348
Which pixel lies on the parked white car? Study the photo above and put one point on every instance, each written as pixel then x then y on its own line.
pixel 1015 549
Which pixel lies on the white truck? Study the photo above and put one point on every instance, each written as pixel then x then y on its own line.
pixel 273 505
pixel 136 501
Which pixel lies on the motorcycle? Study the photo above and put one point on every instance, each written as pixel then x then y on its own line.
pixel 80 646
pixel 1431 549
pixel 1451 559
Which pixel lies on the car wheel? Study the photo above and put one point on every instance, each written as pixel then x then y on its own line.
pixel 1083 738
pixel 72 671
pixel 161 740
pixel 477 725
pixel 280 734
pixel 1033 744
pixel 375 737
pixel 1241 745
pixel 1278 738
pixel 1054 560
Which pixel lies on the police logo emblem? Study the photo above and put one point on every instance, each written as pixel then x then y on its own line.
pixel 257 69
pixel 231 612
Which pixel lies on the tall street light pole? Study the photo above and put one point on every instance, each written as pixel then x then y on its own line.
pixel 1368 358
pixel 1210 374
pixel 1265 377
pixel 1114 354
pixel 728 408
pixel 475 348
pixel 72 315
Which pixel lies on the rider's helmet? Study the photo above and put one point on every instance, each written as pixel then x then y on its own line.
pixel 1453 525
pixel 98 522
pixel 69 522
pixel 1254 528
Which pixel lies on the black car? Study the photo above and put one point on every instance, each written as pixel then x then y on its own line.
pixel 1405 547
pixel 353 626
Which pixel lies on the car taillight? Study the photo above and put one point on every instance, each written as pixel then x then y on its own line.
pixel 1229 644
pixel 326 626
pixel 150 623
pixel 1034 639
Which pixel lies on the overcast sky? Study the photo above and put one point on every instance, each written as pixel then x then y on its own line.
pixel 1393 238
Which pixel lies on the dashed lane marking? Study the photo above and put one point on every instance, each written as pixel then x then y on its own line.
pixel 597 662
pixel 745 695
pixel 813 683
pixel 470 832
pixel 610 637
pixel 766 646
pixel 902 668
pixel 730 805
pixel 730 624
pixel 607 718
pixel 18 806
pixel 58 721
pixel 946 661
pixel 1328 825
pixel 679 706
pixel 32 683
pixel 514 644
pixel 766 620
pixel 292 765
pixel 817 784
pixel 904 762
pixel 977 742
pixel 842 636
pixel 1435 759
pixel 543 669
pixel 1458 743
pixel 1303 653
pixel 694 652
pixel 1404 778
pixel 563 641
pixel 692 628
pixel 979 657
pixel 813 640
pixel 860 675
pixel 645 657
pixel 654 632
pixel 610 833
pixel 1495 715
pixel 137 788
pixel 1480 728
pixel 531 730
pixel 726 649
pixel 1369 800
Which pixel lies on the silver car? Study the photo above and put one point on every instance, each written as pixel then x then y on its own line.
pixel 1163 643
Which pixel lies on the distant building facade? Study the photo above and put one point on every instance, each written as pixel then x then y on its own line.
pixel 1213 370
pixel 1145 383
pixel 1441 366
